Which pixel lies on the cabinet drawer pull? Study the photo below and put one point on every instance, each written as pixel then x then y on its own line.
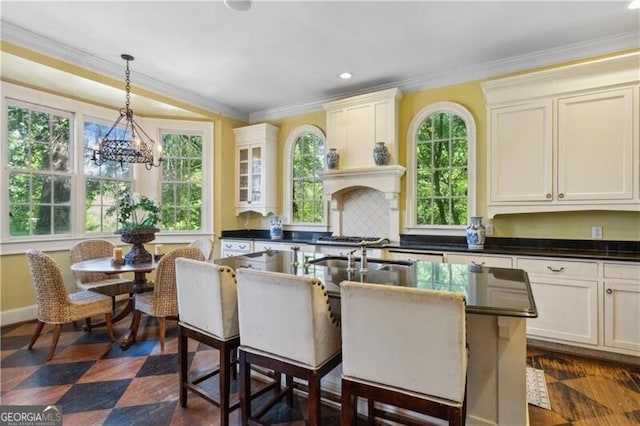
pixel 609 291
pixel 477 264
pixel 552 269
pixel 242 246
pixel 228 246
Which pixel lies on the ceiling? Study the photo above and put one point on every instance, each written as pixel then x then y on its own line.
pixel 284 57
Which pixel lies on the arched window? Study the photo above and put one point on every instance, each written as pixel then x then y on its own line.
pixel 442 173
pixel 304 158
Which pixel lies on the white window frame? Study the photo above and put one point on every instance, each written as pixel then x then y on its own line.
pixel 287 210
pixel 144 182
pixel 412 133
pixel 194 128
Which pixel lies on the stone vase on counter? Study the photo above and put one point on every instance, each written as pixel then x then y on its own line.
pixel 476 233
pixel 380 154
pixel 333 159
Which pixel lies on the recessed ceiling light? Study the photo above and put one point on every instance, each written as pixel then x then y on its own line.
pixel 239 5
pixel 345 75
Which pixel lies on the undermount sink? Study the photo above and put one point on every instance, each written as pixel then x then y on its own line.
pixel 341 262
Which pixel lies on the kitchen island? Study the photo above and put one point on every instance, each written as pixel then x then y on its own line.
pixel 499 301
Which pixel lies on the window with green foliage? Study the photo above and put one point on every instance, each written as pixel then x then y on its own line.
pixel 182 174
pixel 441 180
pixel 307 190
pixel 102 183
pixel 441 163
pixel 39 166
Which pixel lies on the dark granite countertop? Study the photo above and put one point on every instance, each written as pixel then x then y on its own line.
pixel 488 290
pixel 579 249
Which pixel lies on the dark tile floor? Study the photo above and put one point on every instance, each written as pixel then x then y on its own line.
pixel 97 383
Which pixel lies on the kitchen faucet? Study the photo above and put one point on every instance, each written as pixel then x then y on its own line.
pixel 364 244
pixel 351 261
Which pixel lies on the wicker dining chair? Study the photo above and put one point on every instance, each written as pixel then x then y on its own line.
pixel 56 305
pixel 205 245
pixel 163 301
pixel 94 249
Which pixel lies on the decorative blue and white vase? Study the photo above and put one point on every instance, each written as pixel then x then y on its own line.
pixel 333 159
pixel 476 233
pixel 380 154
pixel 276 228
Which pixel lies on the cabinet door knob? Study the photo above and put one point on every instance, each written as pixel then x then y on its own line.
pixel 561 195
pixel 548 196
pixel 609 291
pixel 552 269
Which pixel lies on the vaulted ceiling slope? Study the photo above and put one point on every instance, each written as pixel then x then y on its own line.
pixel 284 57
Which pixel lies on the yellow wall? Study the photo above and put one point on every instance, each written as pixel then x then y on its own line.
pixel 17 291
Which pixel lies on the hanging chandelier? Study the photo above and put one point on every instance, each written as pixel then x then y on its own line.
pixel 130 144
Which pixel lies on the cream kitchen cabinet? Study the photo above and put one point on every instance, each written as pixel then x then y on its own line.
pixel 566 295
pixel 413 255
pixel 230 247
pixel 595 146
pixel 565 139
pixel 256 168
pixel 282 246
pixel 520 160
pixel 622 305
pixel 479 259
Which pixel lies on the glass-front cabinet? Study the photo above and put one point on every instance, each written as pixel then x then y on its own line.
pixel 256 167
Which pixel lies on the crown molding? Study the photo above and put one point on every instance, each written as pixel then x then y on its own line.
pixel 19 36
pixel 571 52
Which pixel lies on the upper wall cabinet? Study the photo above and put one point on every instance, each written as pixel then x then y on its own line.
pixel 256 168
pixel 565 139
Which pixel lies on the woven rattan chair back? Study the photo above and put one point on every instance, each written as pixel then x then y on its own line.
pixel 163 302
pixel 51 295
pixel 165 288
pixel 56 305
pixel 87 250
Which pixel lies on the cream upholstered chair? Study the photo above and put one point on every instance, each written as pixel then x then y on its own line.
pixel 163 301
pixel 205 245
pixel 208 312
pixel 109 284
pixel 55 305
pixel 404 347
pixel 286 325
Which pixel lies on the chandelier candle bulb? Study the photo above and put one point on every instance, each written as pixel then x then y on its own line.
pixel 159 249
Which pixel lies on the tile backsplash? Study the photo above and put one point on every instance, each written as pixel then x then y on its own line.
pixel 365 213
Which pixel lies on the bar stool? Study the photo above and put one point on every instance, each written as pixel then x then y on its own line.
pixel 208 312
pixel 403 347
pixel 286 325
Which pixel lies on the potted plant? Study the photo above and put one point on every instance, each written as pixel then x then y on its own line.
pixel 137 219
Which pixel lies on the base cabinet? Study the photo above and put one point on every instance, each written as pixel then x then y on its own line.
pixel 567 310
pixel 566 295
pixel 480 260
pixel 622 306
pixel 235 247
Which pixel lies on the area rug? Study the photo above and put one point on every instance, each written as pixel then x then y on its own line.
pixel 537 388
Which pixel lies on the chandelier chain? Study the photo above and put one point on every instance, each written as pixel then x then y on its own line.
pixel 127 74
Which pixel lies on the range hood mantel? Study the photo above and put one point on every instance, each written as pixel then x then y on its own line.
pixel 382 178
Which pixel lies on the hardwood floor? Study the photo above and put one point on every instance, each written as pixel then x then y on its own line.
pixel 96 383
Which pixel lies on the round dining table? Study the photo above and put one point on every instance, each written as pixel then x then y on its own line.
pixel 106 265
